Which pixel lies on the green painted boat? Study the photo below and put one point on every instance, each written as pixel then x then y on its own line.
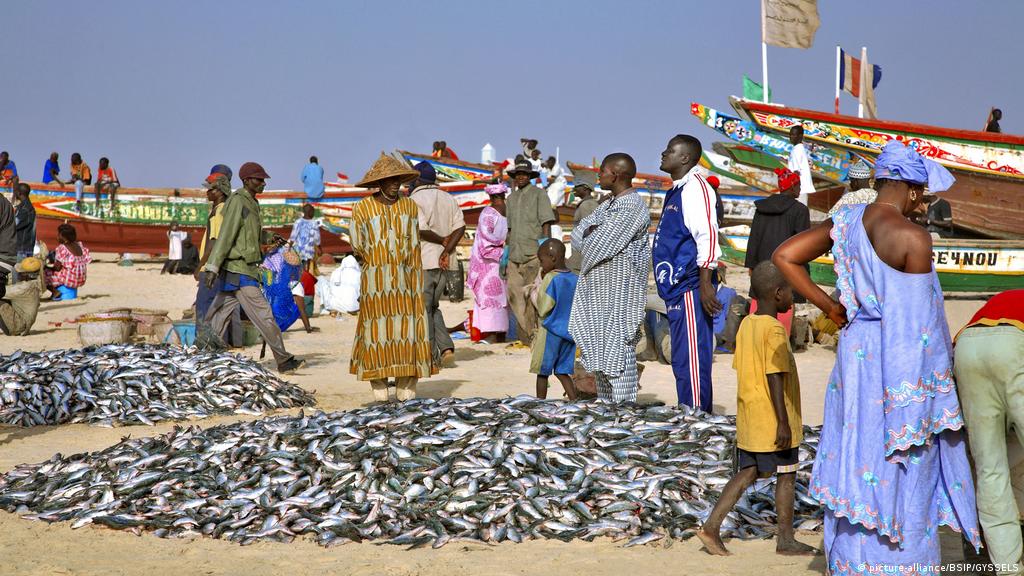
pixel 962 265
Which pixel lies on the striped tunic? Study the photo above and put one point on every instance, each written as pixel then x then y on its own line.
pixel 391 333
pixel 608 307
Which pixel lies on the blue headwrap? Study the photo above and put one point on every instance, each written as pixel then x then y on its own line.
pixel 899 162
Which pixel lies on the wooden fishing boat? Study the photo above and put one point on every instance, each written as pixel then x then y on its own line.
pixel 755 177
pixel 962 265
pixel 826 162
pixel 449 170
pixel 143 215
pixel 988 196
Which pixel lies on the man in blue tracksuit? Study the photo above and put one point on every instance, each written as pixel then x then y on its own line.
pixel 685 255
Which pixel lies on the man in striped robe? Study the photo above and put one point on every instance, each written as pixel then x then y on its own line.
pixel 608 308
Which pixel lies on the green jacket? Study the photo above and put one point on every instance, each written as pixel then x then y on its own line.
pixel 238 244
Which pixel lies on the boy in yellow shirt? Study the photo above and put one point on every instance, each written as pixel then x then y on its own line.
pixel 768 424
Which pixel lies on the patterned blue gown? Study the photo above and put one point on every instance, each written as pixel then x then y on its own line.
pixel 892 464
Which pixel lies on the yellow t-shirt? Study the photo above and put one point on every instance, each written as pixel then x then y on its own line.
pixel 762 348
pixel 216 219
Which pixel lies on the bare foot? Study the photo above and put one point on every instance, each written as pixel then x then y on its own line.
pixel 713 543
pixel 793 548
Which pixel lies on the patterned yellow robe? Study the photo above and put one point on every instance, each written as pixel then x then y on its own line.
pixel 391 334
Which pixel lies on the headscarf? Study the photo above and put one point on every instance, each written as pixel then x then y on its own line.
pixel 860 170
pixel 787 178
pixel 899 162
pixel 218 182
pixel 499 189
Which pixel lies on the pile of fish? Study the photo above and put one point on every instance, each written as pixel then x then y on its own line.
pixel 420 473
pixel 128 384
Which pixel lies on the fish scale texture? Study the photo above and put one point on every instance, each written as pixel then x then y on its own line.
pixel 424 472
pixel 136 384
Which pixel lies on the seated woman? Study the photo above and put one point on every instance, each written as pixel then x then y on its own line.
pixel 66 271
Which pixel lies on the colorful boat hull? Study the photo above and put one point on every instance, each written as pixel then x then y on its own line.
pixel 962 265
pixel 988 196
pixel 449 170
pixel 827 163
pixel 144 215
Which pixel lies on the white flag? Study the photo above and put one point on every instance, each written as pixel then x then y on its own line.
pixel 789 23
pixel 867 89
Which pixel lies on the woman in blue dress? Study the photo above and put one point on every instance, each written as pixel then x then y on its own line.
pixel 891 466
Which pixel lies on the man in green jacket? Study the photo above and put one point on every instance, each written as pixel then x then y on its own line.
pixel 235 259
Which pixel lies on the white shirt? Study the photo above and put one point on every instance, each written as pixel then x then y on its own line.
pixel 698 200
pixel 800 161
pixel 174 248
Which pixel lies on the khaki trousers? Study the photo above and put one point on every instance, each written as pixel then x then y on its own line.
pixel 989 366
pixel 256 307
pixel 519 277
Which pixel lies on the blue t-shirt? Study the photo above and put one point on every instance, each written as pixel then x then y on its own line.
pixel 49 169
pixel 313 180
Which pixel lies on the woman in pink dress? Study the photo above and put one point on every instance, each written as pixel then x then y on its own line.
pixel 490 308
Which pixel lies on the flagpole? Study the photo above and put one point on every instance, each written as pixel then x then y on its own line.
pixel 764 56
pixel 838 58
pixel 860 99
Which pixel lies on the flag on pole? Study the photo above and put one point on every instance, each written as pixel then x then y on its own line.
pixel 869 77
pixel 789 23
pixel 850 77
pixel 754 91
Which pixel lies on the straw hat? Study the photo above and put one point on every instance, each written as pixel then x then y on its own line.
pixel 387 167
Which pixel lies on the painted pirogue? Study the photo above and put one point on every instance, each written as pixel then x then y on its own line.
pixel 419 473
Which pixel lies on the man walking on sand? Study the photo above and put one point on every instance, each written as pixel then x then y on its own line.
pixel 235 258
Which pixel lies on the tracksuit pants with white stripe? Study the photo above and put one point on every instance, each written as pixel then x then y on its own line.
pixel 692 342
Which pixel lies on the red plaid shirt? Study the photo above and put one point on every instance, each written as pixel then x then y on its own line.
pixel 72 272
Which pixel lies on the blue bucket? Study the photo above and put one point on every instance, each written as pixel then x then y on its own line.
pixel 185 330
pixel 67 293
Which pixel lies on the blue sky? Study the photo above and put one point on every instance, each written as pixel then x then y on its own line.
pixel 167 89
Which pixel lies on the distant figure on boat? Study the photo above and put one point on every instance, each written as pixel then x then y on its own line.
pixel 441 150
pixel 860 191
pixel 800 162
pixel 81 175
pixel 993 121
pixel 313 179
pixel 8 171
pixel 51 169
pixel 106 181
pixel 529 146
pixel 556 182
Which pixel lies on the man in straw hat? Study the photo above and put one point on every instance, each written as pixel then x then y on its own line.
pixel 860 191
pixel 234 260
pixel 529 223
pixel 392 335
pixel 441 227
pixel 20 305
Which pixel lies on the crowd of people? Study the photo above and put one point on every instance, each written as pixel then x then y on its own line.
pixel 892 465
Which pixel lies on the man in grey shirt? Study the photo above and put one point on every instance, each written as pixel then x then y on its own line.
pixel 529 222
pixel 585 192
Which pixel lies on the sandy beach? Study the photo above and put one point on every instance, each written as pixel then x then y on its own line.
pixel 37 548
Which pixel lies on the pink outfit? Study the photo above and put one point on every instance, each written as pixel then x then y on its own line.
pixel 490 311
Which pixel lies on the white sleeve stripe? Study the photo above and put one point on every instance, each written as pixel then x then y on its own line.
pixel 712 229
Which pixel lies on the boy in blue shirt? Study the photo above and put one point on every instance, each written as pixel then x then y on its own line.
pixel 554 350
